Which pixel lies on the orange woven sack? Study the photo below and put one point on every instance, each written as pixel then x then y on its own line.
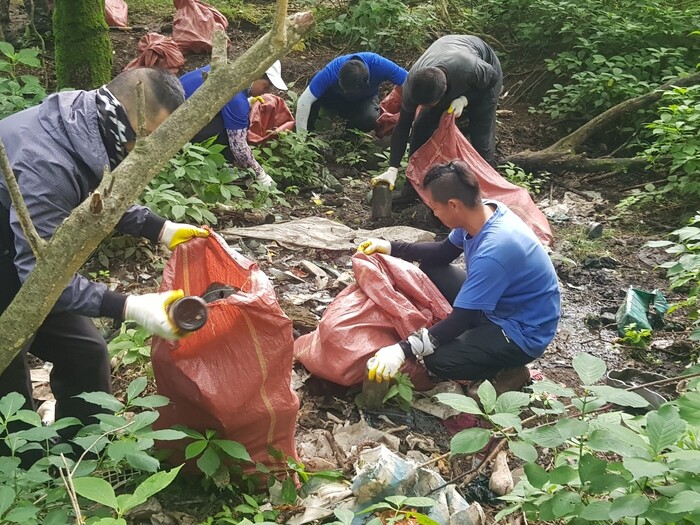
pixel 389 108
pixel 447 144
pixel 116 13
pixel 268 119
pixel 390 299
pixel 194 25
pixel 158 51
pixel 234 374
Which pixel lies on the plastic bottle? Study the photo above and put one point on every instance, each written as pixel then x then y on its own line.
pixel 189 313
pixel 381 201
pixel 373 393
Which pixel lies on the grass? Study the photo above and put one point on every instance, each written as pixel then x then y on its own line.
pixel 141 11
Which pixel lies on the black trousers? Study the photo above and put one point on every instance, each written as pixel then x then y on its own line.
pixel 360 114
pixel 479 353
pixel 216 128
pixel 70 341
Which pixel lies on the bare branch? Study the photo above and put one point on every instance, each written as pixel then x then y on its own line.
pixel 219 50
pixel 35 242
pixel 140 110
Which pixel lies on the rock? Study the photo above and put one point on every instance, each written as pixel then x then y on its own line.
pixel 595 230
pixel 501 481
pixel 144 511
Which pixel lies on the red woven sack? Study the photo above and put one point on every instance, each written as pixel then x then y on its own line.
pixel 268 119
pixel 116 13
pixel 389 108
pixel 234 374
pixel 158 51
pixel 391 299
pixel 194 25
pixel 447 144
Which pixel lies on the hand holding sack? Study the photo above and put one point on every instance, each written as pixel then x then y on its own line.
pixel 175 233
pixel 386 363
pixel 371 246
pixel 457 106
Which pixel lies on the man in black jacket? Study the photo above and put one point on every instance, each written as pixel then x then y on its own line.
pixel 456 73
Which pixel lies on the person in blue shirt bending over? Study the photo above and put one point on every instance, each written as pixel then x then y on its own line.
pixel 230 125
pixel 506 305
pixel 348 86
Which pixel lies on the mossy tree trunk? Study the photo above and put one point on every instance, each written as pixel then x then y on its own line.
pixel 83 47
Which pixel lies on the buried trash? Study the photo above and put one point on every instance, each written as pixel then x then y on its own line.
pixel 631 377
pixel 645 310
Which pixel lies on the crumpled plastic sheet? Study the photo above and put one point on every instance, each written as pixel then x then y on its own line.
pixel 322 233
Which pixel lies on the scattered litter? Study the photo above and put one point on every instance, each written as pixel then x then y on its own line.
pixel 595 230
pixel 645 309
pixel 283 275
pixel 316 451
pixel 47 412
pixel 628 377
pixel 301 298
pixel 501 480
pixel 478 490
pixel 321 503
pixel 426 403
pixel 350 436
pixel 321 277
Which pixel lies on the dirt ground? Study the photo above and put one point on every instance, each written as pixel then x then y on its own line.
pixel 594 273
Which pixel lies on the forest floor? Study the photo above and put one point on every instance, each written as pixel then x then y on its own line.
pixel 594 274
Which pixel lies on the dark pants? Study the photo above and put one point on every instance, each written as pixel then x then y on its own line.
pixel 69 341
pixel 360 114
pixel 216 128
pixel 480 352
pixel 481 115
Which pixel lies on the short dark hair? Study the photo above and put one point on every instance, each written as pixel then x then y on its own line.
pixel 453 180
pixel 353 76
pixel 162 90
pixel 428 85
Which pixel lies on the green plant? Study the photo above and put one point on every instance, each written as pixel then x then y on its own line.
pixel 637 337
pixel 684 272
pixel 400 392
pixel 396 509
pixel 293 159
pixel 607 466
pixel 119 247
pixel 531 182
pixel 131 346
pixel 215 456
pixel 245 513
pixel 18 92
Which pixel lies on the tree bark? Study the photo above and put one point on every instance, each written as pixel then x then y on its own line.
pixel 564 155
pixel 83 47
pixel 78 236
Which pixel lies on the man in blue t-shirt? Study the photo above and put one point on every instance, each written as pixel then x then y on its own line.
pixel 230 125
pixel 506 306
pixel 348 86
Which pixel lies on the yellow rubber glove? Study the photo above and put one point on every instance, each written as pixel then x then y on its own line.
pixel 370 246
pixel 457 106
pixel 388 177
pixel 151 311
pixel 175 233
pixel 253 100
pixel 386 363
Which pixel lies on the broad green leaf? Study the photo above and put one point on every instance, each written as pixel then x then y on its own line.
pixel 166 434
pixel 419 502
pixel 685 501
pixel 620 441
pixel 641 468
pixel 12 402
pixel 117 450
pixel 142 461
pixel 289 491
pixel 563 475
pixel 605 483
pixel 96 489
pixel 590 369
pixel 233 449
pixel 536 475
pixel 565 503
pixel 377 506
pixel 56 517
pixel 592 404
pixel 65 422
pixel 511 402
pixel 7 496
pixel 344 515
pixel 619 396
pixel 591 467
pixel 27 416
pixel 487 395
pixel 209 462
pixel 547 437
pixel 469 441
pixel 102 399
pixel 153 401
pixel 664 428
pixel 597 511
pixel 689 407
pixel 136 387
pixel 7 49
pixel 151 486
pixel 8 465
pixel 195 449
pixel 569 428
pixel 628 506
pixel 523 450
pixel 110 521
pixel 550 387
pixel 24 514
pixel 507 420
pixel 38 434
pixel 143 420
pixel 459 402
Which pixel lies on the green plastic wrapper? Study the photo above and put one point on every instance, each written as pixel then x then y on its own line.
pixel 645 309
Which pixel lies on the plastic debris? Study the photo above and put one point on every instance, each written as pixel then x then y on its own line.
pixel 645 309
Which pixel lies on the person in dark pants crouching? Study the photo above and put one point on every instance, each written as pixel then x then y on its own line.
pixel 506 305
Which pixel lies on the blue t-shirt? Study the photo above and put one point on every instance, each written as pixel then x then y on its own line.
pixel 380 70
pixel 511 279
pixel 236 111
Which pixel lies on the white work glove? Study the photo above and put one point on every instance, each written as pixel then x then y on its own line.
pixel 422 343
pixel 385 364
pixel 457 106
pixel 265 180
pixel 174 233
pixel 253 100
pixel 388 176
pixel 150 311
pixel 370 246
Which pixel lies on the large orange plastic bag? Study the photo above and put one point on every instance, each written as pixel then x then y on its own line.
pixel 194 25
pixel 234 374
pixel 389 108
pixel 390 300
pixel 158 51
pixel 268 119
pixel 116 13
pixel 447 144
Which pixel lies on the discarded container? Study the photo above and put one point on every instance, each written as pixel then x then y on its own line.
pixel 373 393
pixel 628 377
pixel 189 314
pixel 644 309
pixel 381 201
